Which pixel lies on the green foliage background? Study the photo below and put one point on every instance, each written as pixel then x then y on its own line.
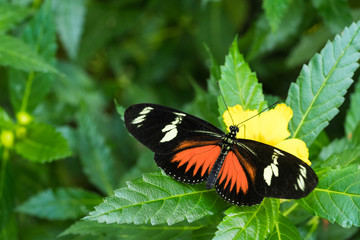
pixel 72 67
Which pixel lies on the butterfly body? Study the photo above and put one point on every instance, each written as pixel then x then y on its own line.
pixel 192 150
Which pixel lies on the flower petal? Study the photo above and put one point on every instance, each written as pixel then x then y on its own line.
pixel 295 147
pixel 274 124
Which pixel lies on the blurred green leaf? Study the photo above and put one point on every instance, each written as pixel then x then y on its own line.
pixel 284 230
pixel 70 20
pixel 60 204
pixel 265 40
pixel 275 11
pixel 157 199
pixel 11 15
pixel 96 157
pixel 7 194
pixel 310 43
pixel 245 222
pixel 238 84
pixel 5 120
pixel 18 55
pixel 353 114
pixel 337 196
pixel 40 34
pixel 336 13
pixel 42 143
pixel 319 90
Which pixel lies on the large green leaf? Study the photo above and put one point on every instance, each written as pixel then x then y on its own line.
pixel 157 199
pixel 5 120
pixel 275 11
pixel 16 54
pixel 353 114
pixel 42 143
pixel 319 90
pixel 60 204
pixel 10 15
pixel 249 223
pixel 337 197
pixel 95 154
pixel 336 13
pixel 131 231
pixel 238 84
pixel 70 20
pixel 284 229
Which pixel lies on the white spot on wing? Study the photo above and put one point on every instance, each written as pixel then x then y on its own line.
pixel 278 152
pixel 268 175
pixel 301 182
pixel 303 171
pixel 170 129
pixel 142 116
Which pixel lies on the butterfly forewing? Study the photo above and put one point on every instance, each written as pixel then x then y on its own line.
pixel 185 146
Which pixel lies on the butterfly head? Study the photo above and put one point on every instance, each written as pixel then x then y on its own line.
pixel 234 130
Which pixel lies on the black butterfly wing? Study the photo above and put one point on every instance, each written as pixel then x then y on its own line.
pixel 185 146
pixel 278 174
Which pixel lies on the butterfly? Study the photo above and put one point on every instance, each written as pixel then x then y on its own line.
pixel 192 151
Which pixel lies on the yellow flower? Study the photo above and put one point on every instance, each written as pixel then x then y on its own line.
pixel 7 138
pixel 270 127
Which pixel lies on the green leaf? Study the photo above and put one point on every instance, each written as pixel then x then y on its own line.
pixel 157 199
pixel 344 158
pixel 131 231
pixel 42 143
pixel 319 90
pixel 11 15
pixel 7 193
pixel 284 229
pixel 336 13
pixel 70 20
pixel 352 118
pixel 16 54
pixel 61 204
pixel 120 109
pixel 238 84
pixel 96 157
pixel 275 11
pixel 253 222
pixel 337 197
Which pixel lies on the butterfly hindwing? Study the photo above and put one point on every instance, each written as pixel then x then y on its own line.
pixel 278 173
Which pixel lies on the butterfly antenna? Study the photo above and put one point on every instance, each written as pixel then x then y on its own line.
pixel 258 113
pixel 222 96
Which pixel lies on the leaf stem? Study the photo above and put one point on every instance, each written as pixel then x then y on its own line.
pixel 289 210
pixel 5 157
pixel 25 99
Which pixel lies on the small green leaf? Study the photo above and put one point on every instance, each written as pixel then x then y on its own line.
pixel 284 229
pixel 61 204
pixel 337 197
pixel 120 109
pixel 353 114
pixel 10 15
pixel 157 199
pixel 42 143
pixel 319 90
pixel 70 17
pixel 16 54
pixel 96 157
pixel 344 158
pixel 249 223
pixel 238 84
pixel 336 13
pixel 275 11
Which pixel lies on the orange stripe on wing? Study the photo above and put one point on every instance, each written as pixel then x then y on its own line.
pixel 203 156
pixel 234 174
